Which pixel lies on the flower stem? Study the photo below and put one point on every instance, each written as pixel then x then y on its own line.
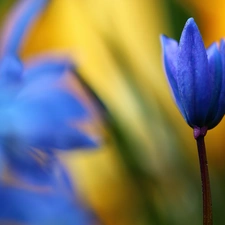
pixel 206 193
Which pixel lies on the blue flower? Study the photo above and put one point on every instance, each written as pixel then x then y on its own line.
pixel 34 112
pixel 37 117
pixel 196 76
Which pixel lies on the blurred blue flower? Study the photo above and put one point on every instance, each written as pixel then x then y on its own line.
pixel 34 112
pixel 36 117
pixel 196 76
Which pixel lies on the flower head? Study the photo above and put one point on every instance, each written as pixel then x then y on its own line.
pixel 196 76
pixel 35 113
pixel 37 116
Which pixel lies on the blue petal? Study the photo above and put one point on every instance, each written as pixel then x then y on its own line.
pixel 221 99
pixel 215 68
pixel 35 167
pixel 65 138
pixel 18 21
pixel 46 123
pixel 51 102
pixel 193 77
pixel 47 66
pixel 11 70
pixel 29 164
pixel 24 206
pixel 170 50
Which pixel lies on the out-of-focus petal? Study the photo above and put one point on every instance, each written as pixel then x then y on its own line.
pixel 47 66
pixel 29 164
pixel 60 104
pixel 65 138
pixel 17 23
pixel 193 78
pixel 46 122
pixel 33 208
pixel 11 70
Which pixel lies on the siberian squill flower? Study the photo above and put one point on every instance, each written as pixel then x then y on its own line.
pixel 196 76
pixel 197 79
pixel 36 118
pixel 34 111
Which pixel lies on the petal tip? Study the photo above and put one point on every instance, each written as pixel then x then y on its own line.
pixel 166 41
pixel 191 26
pixel 163 39
pixel 191 36
pixel 190 22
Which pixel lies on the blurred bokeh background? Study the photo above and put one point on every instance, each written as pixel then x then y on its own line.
pixel 146 170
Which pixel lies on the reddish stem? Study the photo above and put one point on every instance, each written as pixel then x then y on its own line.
pixel 206 193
